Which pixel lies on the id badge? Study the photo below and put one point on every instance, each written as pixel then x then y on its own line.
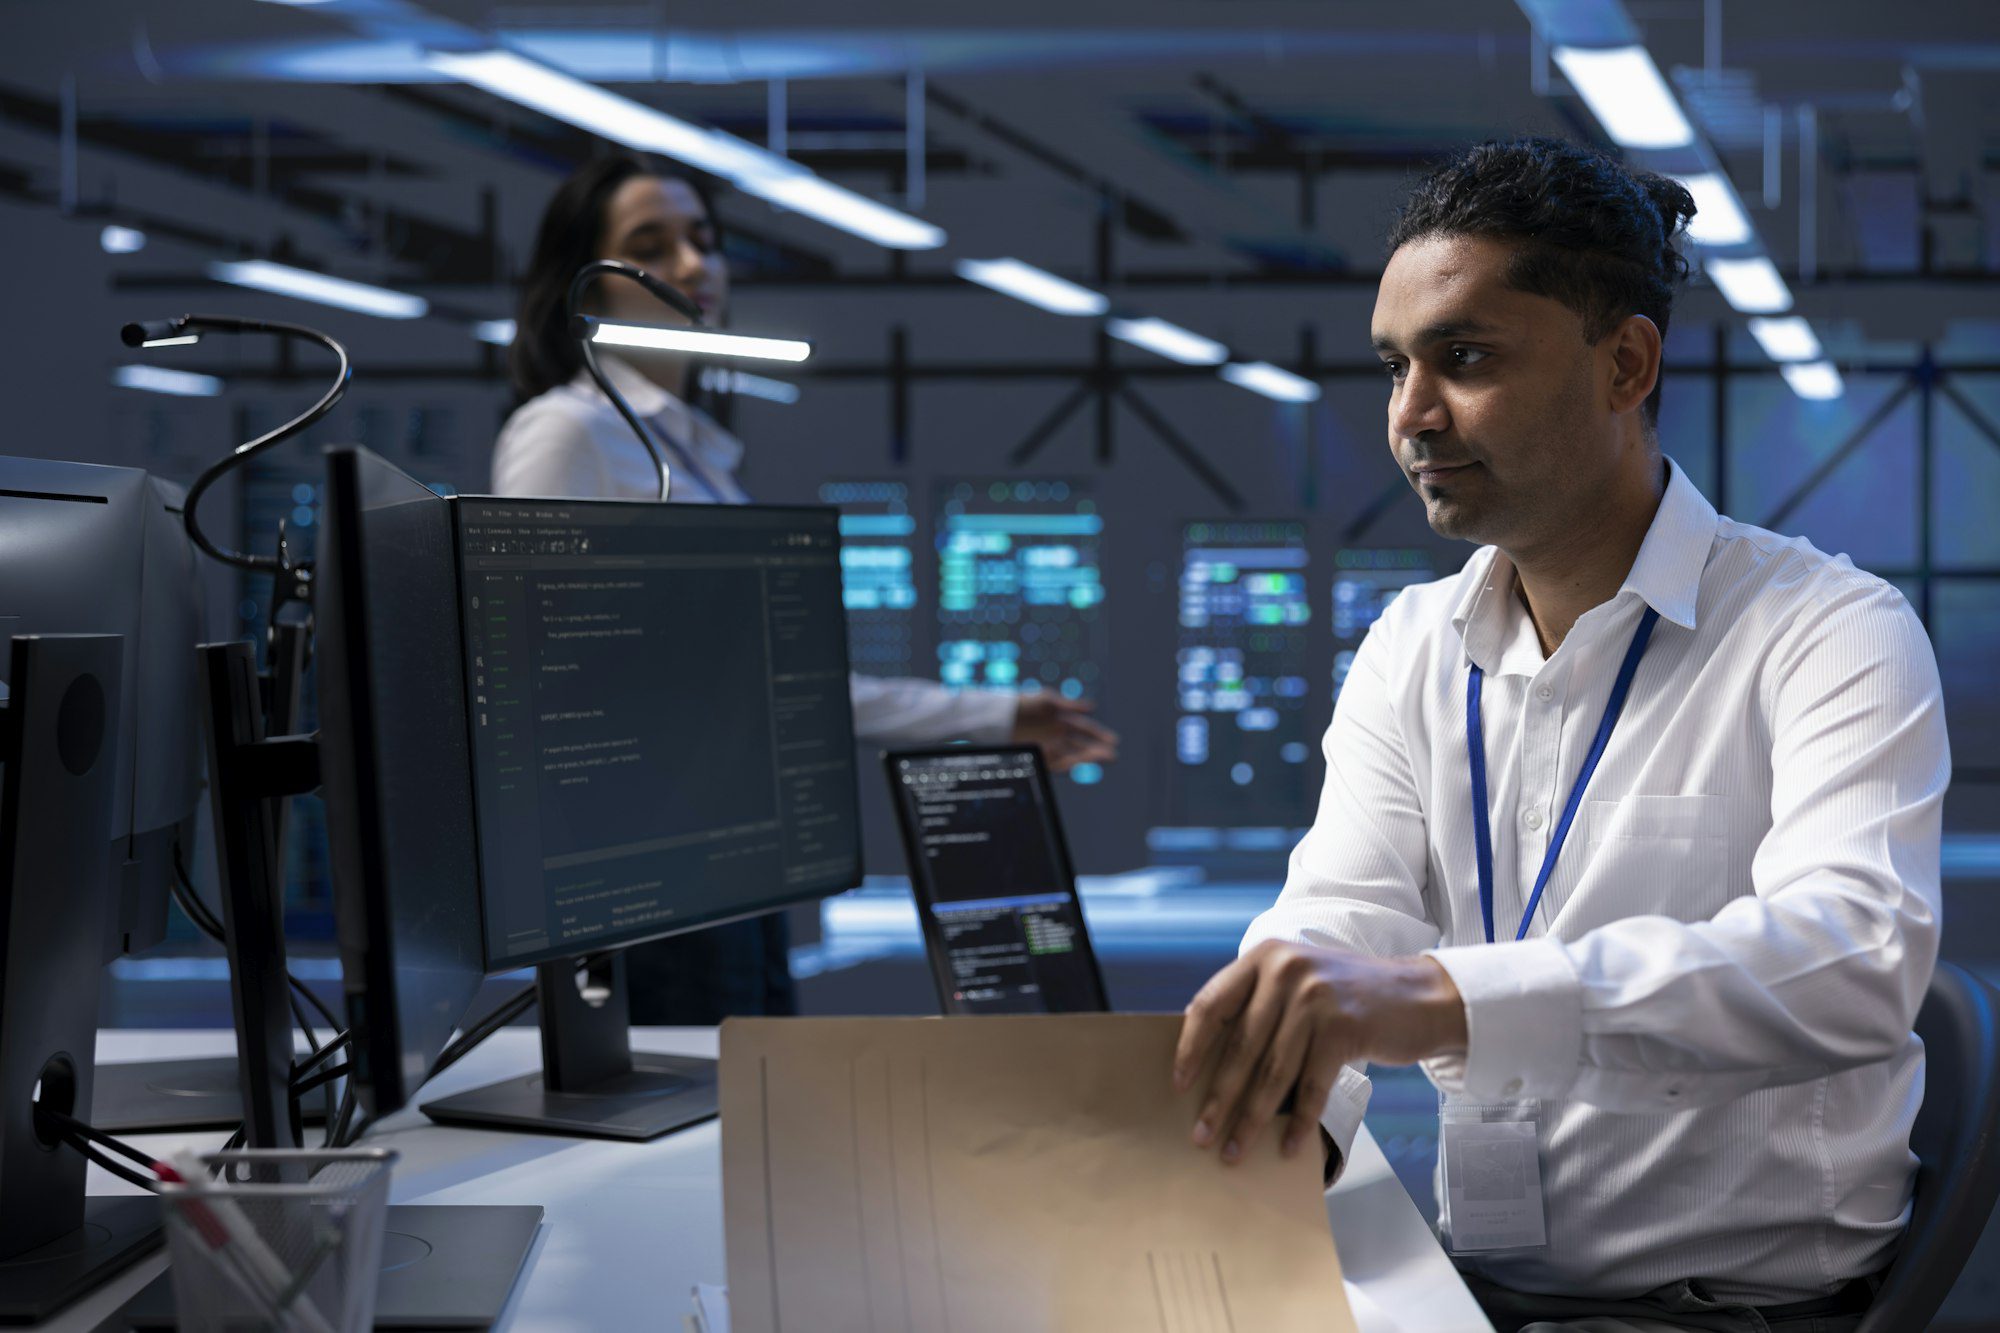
pixel 1492 1166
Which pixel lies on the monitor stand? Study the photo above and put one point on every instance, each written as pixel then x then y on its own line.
pixel 443 1266
pixel 168 1096
pixel 592 1083
pixel 57 735
pixel 164 1096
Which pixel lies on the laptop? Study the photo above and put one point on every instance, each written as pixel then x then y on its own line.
pixel 991 875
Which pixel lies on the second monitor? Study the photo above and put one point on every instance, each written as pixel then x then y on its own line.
pixel 659 717
pixel 661 739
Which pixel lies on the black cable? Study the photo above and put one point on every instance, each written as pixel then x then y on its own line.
pixel 84 1139
pixel 324 1076
pixel 572 308
pixel 304 992
pixel 305 1024
pixel 115 1167
pixel 189 900
pixel 317 1056
pixel 337 1128
pixel 69 1124
pixel 182 889
pixel 340 1042
pixel 137 335
pixel 503 1014
pixel 353 1127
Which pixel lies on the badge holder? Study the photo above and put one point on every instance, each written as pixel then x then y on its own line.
pixel 1491 1154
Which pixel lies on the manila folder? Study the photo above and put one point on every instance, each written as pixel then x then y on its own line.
pixel 1003 1175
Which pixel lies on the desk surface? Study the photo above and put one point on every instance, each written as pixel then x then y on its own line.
pixel 631 1227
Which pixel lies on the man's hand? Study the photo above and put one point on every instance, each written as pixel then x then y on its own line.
pixel 1064 729
pixel 1288 1016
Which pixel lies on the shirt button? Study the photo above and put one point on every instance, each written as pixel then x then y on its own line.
pixel 1533 819
pixel 1544 692
pixel 1513 1088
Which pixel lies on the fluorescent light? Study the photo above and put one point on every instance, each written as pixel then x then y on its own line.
pixel 823 201
pixel 701 342
pixel 752 386
pixel 499 332
pixel 118 240
pixel 1813 379
pixel 308 286
pixel 1624 90
pixel 1750 285
pixel 753 169
pixel 1169 340
pixel 621 119
pixel 180 340
pixel 1025 282
pixel 1265 378
pixel 157 379
pixel 1787 339
pixel 1718 217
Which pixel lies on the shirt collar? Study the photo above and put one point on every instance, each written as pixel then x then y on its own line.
pixel 1666 575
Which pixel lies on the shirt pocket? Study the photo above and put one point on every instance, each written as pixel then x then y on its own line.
pixel 1662 855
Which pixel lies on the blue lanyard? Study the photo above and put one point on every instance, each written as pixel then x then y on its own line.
pixel 1475 747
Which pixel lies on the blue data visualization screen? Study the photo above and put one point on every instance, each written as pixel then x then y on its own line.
pixel 1241 736
pixel 1020 587
pixel 1365 580
pixel 877 574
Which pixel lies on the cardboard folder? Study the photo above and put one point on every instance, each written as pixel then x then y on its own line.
pixel 1010 1174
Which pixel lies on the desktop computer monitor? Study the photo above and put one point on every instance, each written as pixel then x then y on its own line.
pixel 100 550
pixel 395 773
pixel 661 734
pixel 89 549
pixel 551 728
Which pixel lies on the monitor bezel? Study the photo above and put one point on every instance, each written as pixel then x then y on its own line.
pixel 853 876
pixel 934 943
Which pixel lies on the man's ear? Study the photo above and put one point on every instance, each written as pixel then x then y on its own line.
pixel 1634 348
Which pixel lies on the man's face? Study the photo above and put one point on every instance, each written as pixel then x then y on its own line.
pixel 1498 410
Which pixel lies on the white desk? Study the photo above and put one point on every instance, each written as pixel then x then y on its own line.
pixel 631 1227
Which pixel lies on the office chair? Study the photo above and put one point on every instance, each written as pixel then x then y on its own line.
pixel 1958 1162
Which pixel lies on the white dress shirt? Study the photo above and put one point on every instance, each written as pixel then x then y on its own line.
pixel 1713 1002
pixel 571 442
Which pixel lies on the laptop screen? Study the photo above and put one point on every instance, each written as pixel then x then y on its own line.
pixel 993 885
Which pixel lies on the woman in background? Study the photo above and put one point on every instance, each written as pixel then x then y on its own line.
pixel 566 439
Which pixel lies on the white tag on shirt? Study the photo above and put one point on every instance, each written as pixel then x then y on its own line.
pixel 1493 1177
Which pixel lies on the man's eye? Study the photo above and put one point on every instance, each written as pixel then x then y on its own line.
pixel 1394 370
pixel 1467 356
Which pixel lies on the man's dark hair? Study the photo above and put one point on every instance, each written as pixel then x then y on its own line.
pixel 545 354
pixel 1589 231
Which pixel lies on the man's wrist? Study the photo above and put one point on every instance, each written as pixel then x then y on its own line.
pixel 1437 998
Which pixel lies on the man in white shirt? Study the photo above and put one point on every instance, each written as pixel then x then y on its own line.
pixel 1630 830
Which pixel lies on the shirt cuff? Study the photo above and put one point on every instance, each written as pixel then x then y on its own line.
pixel 1523 1020
pixel 986 717
pixel 1342 1118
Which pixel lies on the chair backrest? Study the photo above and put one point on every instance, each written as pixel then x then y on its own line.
pixel 1958 1160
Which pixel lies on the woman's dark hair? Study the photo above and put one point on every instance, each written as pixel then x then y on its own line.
pixel 544 355
pixel 1588 231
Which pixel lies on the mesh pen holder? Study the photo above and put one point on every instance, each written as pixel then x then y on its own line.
pixel 283 1240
